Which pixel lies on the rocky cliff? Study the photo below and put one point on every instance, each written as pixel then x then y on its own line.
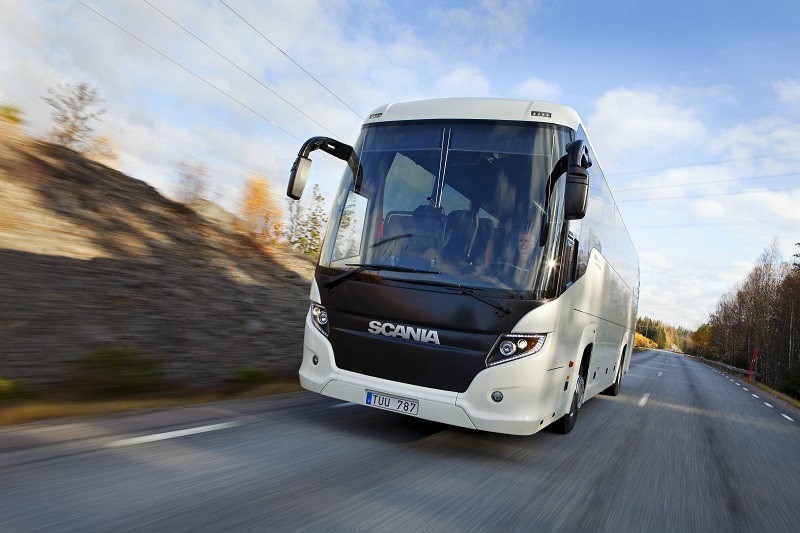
pixel 90 258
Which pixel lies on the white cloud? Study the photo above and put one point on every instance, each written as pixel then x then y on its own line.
pixel 158 111
pixel 627 120
pixel 487 27
pixel 788 91
pixel 462 81
pixel 537 89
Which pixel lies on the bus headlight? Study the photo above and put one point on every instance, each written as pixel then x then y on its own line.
pixel 507 348
pixel 513 346
pixel 319 316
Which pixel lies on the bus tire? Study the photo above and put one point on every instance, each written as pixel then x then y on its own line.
pixel 565 424
pixel 614 388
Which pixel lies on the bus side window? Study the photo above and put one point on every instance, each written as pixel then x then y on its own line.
pixel 351 228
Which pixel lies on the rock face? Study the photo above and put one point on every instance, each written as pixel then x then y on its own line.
pixel 90 257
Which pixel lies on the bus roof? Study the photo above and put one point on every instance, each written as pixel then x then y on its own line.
pixel 479 109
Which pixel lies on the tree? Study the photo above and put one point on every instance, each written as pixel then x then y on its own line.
pixel 349 235
pixel 11 114
pixel 663 335
pixel 787 335
pixel 304 230
pixel 294 227
pixel 314 224
pixel 192 180
pixel 259 210
pixel 701 341
pixel 761 313
pixel 102 149
pixel 74 107
pixel 640 341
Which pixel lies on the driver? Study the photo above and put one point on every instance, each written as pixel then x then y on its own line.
pixel 519 256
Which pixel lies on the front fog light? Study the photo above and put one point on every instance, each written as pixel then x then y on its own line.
pixel 513 346
pixel 319 316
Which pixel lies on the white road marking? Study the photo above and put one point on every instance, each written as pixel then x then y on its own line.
pixel 739 384
pixel 768 405
pixel 171 434
pixel 753 395
pixel 745 389
pixel 345 404
pixel 731 379
pixel 787 417
pixel 659 374
pixel 644 400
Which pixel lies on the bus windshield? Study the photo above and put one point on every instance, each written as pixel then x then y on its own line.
pixel 460 202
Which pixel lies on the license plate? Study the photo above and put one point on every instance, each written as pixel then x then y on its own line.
pixel 392 403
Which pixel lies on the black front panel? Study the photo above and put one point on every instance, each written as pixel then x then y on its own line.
pixel 465 327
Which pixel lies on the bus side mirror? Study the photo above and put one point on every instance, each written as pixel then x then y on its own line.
pixel 298 177
pixel 576 190
pixel 302 165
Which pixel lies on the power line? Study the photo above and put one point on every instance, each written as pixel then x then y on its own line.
pixel 189 71
pixel 708 163
pixel 290 59
pixel 787 222
pixel 690 196
pixel 711 182
pixel 241 69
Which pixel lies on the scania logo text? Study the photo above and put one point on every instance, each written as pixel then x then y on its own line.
pixel 404 332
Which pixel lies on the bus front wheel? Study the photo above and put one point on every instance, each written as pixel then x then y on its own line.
pixel 567 422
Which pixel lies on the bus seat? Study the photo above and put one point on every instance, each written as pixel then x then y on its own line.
pixel 483 245
pixel 426 231
pixel 460 230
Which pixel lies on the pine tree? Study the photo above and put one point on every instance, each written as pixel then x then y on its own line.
pixel 294 226
pixel 314 224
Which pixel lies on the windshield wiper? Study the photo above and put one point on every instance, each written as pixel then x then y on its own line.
pixel 361 267
pixel 469 291
pixel 390 239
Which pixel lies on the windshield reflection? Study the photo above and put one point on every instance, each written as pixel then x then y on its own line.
pixel 467 199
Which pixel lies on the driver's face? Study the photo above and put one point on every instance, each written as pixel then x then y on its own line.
pixel 524 242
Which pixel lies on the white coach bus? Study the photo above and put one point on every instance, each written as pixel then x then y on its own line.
pixel 475 271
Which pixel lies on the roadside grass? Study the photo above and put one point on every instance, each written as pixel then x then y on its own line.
pixel 42 406
pixel 786 398
pixel 114 379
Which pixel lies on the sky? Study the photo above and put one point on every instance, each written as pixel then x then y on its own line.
pixel 693 108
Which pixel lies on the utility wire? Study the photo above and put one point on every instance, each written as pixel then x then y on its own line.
pixel 241 69
pixel 708 163
pixel 787 222
pixel 689 196
pixel 711 182
pixel 189 71
pixel 290 59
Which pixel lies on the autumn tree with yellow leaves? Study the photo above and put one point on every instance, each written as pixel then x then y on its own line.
pixel 259 210
pixel 11 114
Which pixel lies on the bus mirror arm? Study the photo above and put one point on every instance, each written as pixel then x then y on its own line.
pixel 576 190
pixel 298 176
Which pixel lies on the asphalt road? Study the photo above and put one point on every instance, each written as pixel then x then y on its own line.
pixel 682 448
